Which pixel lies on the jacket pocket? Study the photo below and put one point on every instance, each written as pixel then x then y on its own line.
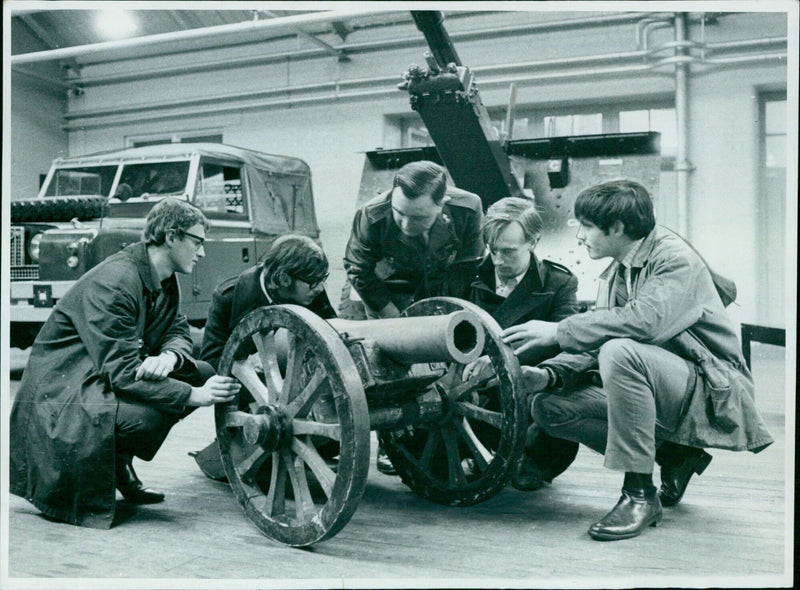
pixel 723 407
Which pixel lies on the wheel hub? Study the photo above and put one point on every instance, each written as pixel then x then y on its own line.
pixel 269 427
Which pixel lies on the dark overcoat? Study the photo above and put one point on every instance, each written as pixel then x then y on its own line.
pixel 672 293
pixel 547 292
pixel 86 355
pixel 383 263
pixel 235 298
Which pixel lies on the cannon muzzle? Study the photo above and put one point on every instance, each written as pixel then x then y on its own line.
pixel 455 337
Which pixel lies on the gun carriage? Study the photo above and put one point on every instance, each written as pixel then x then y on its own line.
pixel 314 389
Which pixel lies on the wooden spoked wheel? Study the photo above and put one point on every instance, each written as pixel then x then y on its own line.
pixel 465 457
pixel 301 407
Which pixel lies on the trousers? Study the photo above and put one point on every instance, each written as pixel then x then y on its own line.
pixel 141 429
pixel 644 388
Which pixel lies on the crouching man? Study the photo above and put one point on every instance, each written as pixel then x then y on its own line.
pixel 109 374
pixel 293 271
pixel 657 360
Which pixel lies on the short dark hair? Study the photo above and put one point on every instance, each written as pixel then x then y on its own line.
pixel 617 200
pixel 170 214
pixel 294 256
pixel 510 210
pixel 422 178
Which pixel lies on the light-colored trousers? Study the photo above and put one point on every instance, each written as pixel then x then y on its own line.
pixel 643 386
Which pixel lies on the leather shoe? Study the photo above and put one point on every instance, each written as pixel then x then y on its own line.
pixel 675 478
pixel 634 512
pixel 528 476
pixel 383 463
pixel 131 486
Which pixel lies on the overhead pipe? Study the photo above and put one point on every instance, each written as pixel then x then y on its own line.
pixel 347 47
pixel 481 70
pixel 87 81
pixel 252 26
pixel 142 114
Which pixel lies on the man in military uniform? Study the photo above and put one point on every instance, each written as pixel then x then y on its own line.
pixel 515 287
pixel 419 239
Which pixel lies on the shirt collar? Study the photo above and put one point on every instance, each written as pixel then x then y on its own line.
pixel 627 260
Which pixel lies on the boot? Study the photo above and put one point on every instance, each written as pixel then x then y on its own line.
pixel 678 464
pixel 637 509
pixel 131 486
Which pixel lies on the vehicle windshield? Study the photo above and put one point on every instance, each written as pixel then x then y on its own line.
pixel 87 180
pixel 152 179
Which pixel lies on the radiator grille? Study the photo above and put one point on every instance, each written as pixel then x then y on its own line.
pixel 19 270
pixel 25 272
pixel 17 246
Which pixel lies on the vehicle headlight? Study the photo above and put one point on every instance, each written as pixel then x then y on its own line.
pixel 33 247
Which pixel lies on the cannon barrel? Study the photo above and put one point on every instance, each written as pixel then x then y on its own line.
pixel 455 337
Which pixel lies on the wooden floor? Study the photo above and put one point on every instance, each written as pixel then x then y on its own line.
pixel 733 529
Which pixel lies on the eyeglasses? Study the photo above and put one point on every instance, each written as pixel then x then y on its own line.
pixel 200 240
pixel 315 284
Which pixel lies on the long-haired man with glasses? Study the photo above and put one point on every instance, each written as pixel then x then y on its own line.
pixel 294 270
pixel 109 374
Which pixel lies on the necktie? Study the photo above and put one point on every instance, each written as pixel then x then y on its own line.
pixel 620 288
pixel 507 287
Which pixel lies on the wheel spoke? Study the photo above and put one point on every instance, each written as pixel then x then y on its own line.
pixel 275 502
pixel 332 431
pixel 268 353
pixel 249 466
pixel 431 444
pixel 455 471
pixel 460 390
pixel 245 373
pixel 481 454
pixel 303 503
pixel 489 417
pixel 294 367
pixel 301 405
pixel 324 474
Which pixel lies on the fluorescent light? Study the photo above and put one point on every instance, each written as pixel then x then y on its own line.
pixel 115 23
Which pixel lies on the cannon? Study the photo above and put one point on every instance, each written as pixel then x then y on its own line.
pixel 295 444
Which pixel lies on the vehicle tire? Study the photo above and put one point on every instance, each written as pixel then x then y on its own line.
pixel 56 209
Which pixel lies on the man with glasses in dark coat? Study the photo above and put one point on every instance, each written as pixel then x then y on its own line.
pixel 109 374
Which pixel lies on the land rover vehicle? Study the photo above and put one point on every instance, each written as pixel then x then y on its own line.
pixel 92 206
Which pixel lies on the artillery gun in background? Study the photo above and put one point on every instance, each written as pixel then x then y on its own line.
pixel 551 170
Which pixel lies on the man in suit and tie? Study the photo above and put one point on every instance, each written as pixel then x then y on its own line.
pixel 514 286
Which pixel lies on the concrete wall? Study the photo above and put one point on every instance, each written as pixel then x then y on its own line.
pixel 330 129
pixel 37 108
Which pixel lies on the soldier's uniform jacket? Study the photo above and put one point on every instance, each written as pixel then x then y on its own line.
pixel 235 298
pixel 383 263
pixel 547 292
pixel 85 357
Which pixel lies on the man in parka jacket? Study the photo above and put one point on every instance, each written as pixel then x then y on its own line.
pixel 658 359
pixel 109 374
